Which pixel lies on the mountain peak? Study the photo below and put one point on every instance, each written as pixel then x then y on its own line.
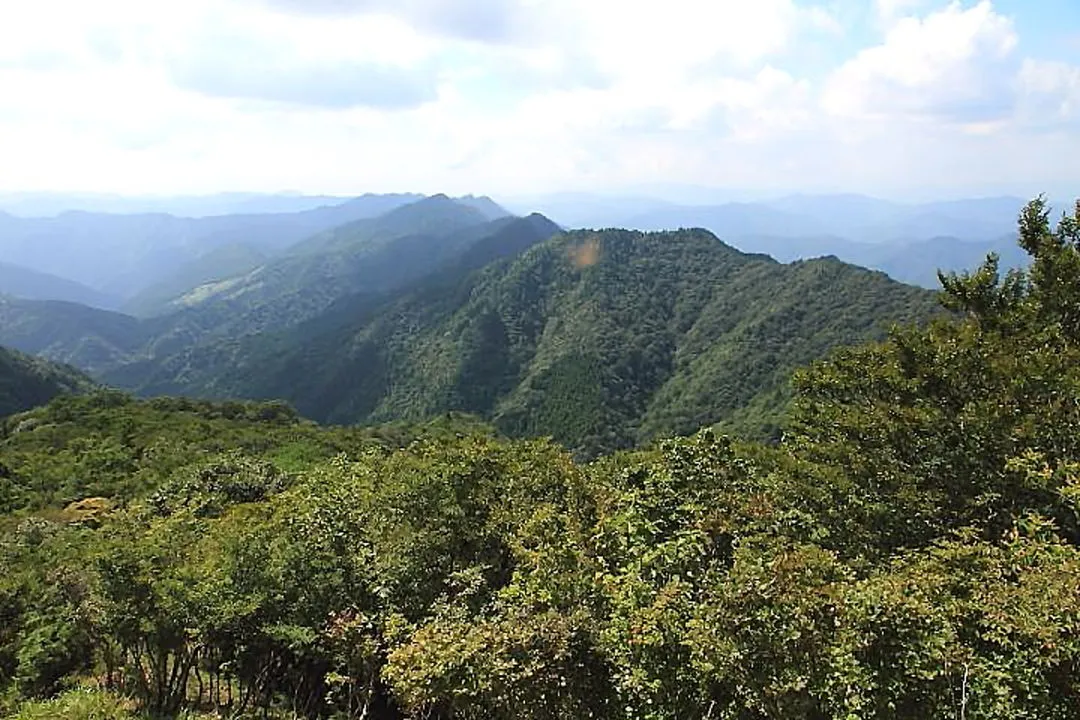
pixel 491 209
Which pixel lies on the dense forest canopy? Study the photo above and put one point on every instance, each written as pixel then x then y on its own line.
pixel 909 549
pixel 27 381
pixel 604 339
pixel 601 339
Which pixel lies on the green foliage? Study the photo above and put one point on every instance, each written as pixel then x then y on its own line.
pixel 107 444
pixel 928 428
pixel 77 705
pixel 602 340
pixel 27 382
pixel 909 550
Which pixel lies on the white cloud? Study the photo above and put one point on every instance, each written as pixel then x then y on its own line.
pixel 486 21
pixel 889 11
pixel 1050 94
pixel 516 95
pixel 954 65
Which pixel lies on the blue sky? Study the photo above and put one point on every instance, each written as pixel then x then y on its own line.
pixel 898 98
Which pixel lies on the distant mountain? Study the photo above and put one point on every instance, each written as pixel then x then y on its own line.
pixel 871 220
pixel 369 256
pixel 491 209
pixel 124 255
pixel 910 241
pixel 727 221
pixel 365 258
pixel 221 263
pixel 851 217
pixel 29 284
pixel 918 262
pixel 601 339
pixel 914 262
pixel 854 217
pixel 583 210
pixel 43 204
pixel 85 337
pixel 26 382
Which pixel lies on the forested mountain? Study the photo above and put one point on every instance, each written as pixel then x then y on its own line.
pixel 221 263
pixel 27 382
pixel 123 255
pixel 908 241
pixel 600 339
pixel 910 549
pixel 85 337
pixel 369 257
pixel 914 261
pixel 22 282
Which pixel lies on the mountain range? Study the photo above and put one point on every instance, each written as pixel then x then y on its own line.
pixel 48 204
pixel 908 241
pixel 602 339
pixel 128 256
pixel 30 284
pixel 142 263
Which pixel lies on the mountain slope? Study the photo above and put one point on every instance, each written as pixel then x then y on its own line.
pixel 217 265
pixel 30 284
pixel 389 254
pixel 206 367
pixel 916 262
pixel 85 337
pixel 601 339
pixel 27 382
pixel 126 254
pixel 370 256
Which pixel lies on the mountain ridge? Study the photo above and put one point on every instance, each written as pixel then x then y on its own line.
pixel 603 339
pixel 589 331
pixel 30 284
pixel 27 382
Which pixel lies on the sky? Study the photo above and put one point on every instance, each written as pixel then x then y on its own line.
pixel 897 98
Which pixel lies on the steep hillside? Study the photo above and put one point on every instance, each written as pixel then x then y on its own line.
pixel 218 264
pixel 30 284
pixel 367 259
pixel 370 257
pixel 124 255
pixel 27 382
pixel 601 339
pixel 82 336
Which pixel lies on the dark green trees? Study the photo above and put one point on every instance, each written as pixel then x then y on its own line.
pixel 909 550
pixel 26 381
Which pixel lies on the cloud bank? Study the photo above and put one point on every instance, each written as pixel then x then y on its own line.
pixel 524 96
